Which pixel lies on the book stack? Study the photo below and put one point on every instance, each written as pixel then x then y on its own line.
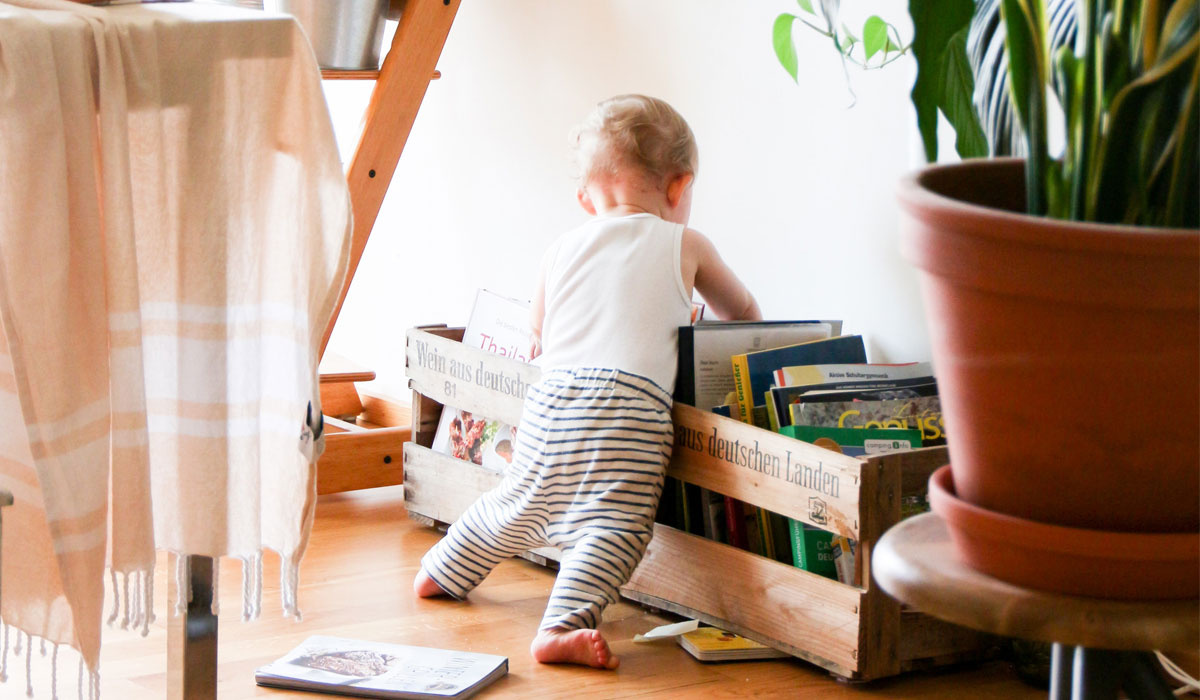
pixel 706 379
pixel 856 409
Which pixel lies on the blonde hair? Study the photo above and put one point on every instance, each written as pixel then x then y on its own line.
pixel 635 132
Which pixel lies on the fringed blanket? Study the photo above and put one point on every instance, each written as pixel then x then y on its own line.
pixel 174 229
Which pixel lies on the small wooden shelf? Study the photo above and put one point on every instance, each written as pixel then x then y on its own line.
pixel 855 632
pixel 364 434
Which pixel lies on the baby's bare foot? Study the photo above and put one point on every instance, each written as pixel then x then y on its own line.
pixel 584 647
pixel 426 587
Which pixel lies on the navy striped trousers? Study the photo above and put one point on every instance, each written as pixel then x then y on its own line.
pixel 586 477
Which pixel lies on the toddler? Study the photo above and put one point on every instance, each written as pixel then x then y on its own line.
pixel 595 435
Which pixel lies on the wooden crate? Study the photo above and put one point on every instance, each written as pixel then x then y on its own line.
pixel 855 632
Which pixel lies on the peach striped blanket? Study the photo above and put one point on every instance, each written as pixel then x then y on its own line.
pixel 174 230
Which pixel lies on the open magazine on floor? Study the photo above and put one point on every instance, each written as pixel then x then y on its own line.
pixel 378 670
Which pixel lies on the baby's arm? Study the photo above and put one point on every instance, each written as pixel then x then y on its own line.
pixel 704 270
pixel 537 311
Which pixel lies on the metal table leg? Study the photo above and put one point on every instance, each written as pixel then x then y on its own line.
pixel 1096 674
pixel 1061 660
pixel 192 641
pixel 1142 681
pixel 1080 673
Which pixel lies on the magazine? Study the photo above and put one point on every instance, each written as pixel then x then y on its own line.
pixel 705 376
pixel 379 670
pixel 499 325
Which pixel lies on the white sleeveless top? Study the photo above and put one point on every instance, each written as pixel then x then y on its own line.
pixel 615 298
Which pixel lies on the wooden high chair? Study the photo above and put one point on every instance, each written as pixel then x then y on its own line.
pixel 365 449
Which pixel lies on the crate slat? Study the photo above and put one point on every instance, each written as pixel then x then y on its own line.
pixel 440 488
pixel 468 378
pixel 772 471
pixel 776 604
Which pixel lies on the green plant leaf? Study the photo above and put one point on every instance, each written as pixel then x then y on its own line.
pixel 1138 144
pixel 785 50
pixel 955 89
pixel 874 36
pixel 806 5
pixel 1025 37
pixel 935 22
pixel 1183 199
pixel 1178 30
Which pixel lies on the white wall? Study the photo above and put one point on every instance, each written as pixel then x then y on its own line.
pixel 796 187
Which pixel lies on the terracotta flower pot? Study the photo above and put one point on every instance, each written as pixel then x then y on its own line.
pixel 1067 354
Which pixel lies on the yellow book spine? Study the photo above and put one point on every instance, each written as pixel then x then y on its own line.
pixel 764 524
pixel 741 383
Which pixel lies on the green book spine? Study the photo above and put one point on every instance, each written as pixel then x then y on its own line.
pixel 811 549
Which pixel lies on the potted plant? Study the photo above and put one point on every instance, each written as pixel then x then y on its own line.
pixel 1062 290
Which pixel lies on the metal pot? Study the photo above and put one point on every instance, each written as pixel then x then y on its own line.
pixel 345 34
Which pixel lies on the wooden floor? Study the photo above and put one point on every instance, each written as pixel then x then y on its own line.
pixel 356 581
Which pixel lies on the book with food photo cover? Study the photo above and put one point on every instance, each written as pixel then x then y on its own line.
pixel 377 670
pixel 499 325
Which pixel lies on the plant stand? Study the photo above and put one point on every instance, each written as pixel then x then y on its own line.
pixel 1100 646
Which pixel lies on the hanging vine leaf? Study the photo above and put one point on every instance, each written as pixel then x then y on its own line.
pixel 874 35
pixel 785 50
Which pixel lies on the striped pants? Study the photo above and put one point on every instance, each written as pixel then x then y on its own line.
pixel 586 477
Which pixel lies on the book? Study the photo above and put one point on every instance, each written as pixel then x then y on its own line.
pixel 780 398
pixel 844 550
pixel 900 389
pixel 753 371
pixel 714 516
pixel 498 325
pixel 856 442
pixel 923 413
pixel 713 644
pixel 379 670
pixel 819 551
pixel 812 548
pixel 693 508
pixel 862 372
pixel 735 523
pixel 778 543
pixel 705 377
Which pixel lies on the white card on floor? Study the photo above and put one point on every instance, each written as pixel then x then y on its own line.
pixel 666 631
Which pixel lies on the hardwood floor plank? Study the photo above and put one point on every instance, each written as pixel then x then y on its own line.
pixel 356 581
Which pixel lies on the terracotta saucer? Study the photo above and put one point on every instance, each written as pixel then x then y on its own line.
pixel 1094 563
